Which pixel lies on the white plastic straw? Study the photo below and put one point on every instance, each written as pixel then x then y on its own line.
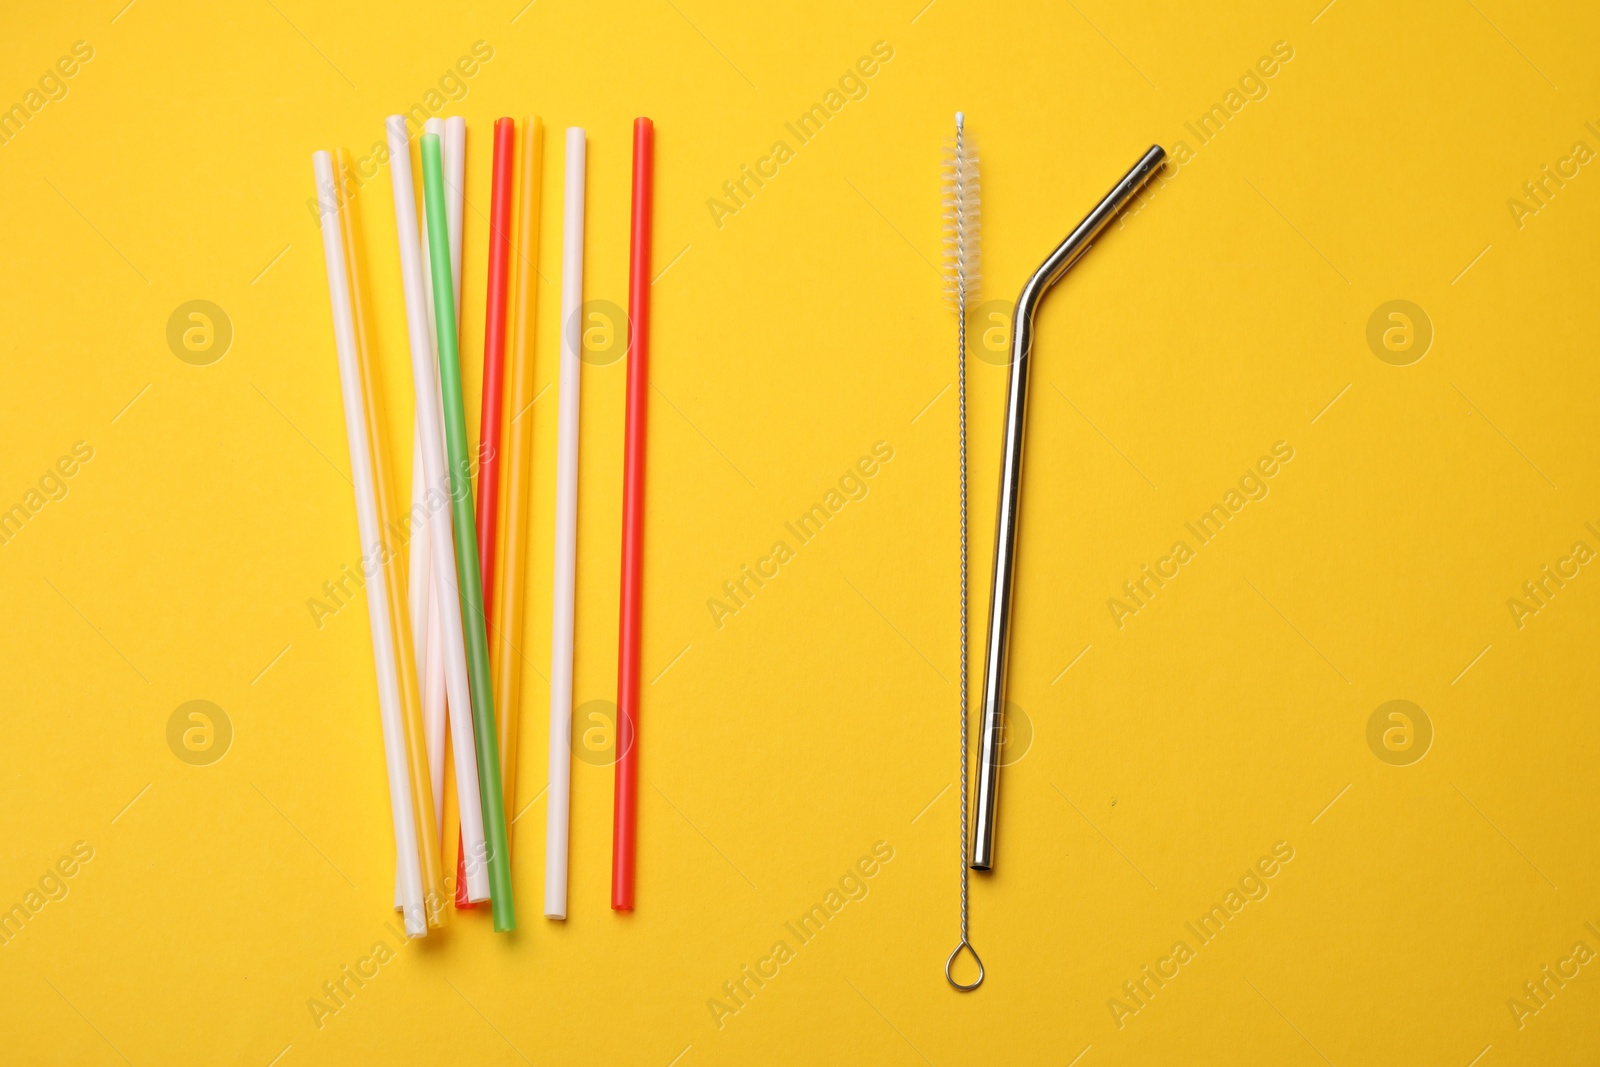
pixel 455 182
pixel 424 600
pixel 429 646
pixel 430 655
pixel 435 127
pixel 424 603
pixel 433 696
pixel 408 862
pixel 418 577
pixel 425 372
pixel 566 536
pixel 417 563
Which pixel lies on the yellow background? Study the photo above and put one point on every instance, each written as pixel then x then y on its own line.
pixel 1224 717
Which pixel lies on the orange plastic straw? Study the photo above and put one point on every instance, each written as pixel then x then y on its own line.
pixel 410 702
pixel 512 571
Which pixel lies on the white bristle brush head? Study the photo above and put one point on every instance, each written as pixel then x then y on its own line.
pixel 961 215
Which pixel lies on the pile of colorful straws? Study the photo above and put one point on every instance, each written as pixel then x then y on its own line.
pixel 431 628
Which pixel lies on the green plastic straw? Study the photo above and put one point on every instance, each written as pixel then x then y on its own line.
pixel 469 579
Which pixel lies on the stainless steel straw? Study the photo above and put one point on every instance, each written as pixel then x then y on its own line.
pixel 1005 544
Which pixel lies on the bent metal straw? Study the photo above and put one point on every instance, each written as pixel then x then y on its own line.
pixel 425 377
pixel 410 703
pixel 469 581
pixel 1005 543
pixel 383 645
pixel 509 598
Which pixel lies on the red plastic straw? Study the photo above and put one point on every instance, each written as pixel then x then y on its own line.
pixel 626 801
pixel 494 366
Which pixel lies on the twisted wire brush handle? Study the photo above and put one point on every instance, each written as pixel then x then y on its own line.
pixel 961 219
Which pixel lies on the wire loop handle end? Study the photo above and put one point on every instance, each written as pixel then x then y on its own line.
pixel 950 963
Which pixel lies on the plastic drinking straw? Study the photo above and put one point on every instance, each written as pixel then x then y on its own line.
pixel 425 602
pixel 417 578
pixel 426 380
pixel 426 638
pixel 454 147
pixel 494 354
pixel 433 693
pixel 557 814
pixel 494 361
pixel 383 646
pixel 452 136
pixel 432 675
pixel 399 622
pixel 436 127
pixel 452 133
pixel 508 598
pixel 469 581
pixel 625 800
pixel 421 563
